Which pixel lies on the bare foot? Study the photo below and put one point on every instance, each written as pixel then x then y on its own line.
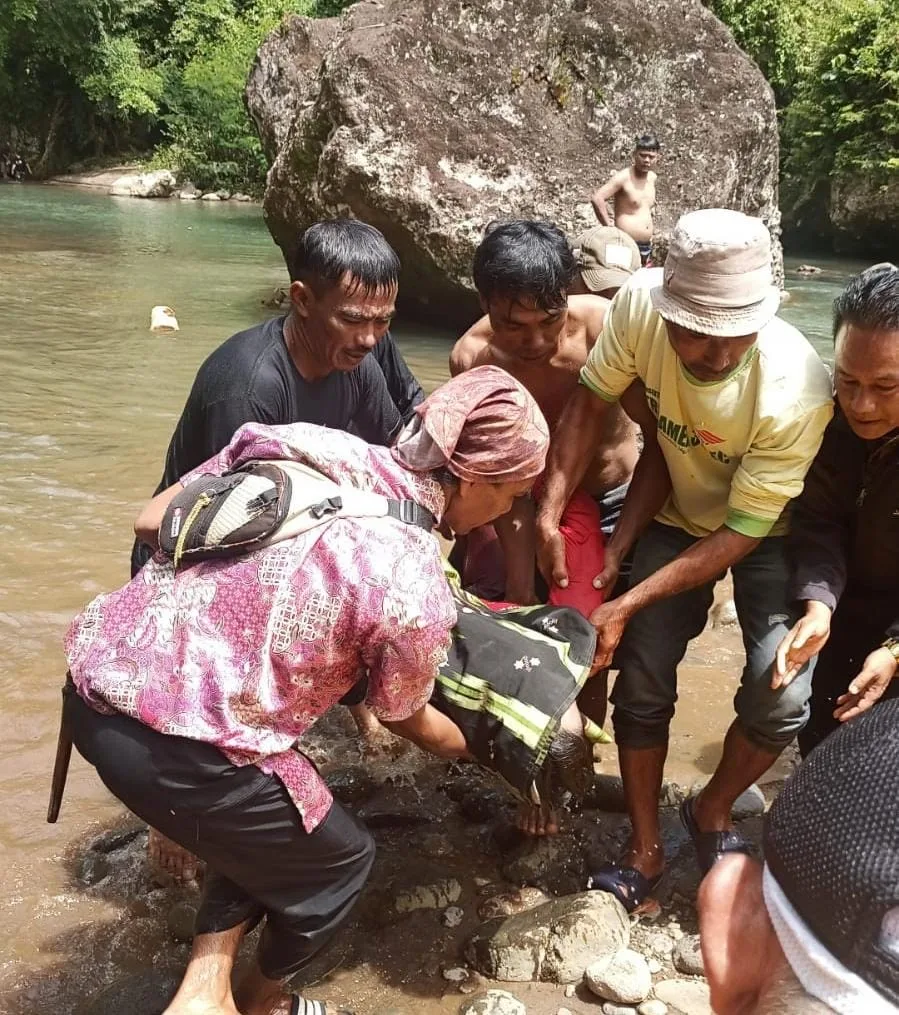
pixel 194 1007
pixel 170 858
pixel 537 820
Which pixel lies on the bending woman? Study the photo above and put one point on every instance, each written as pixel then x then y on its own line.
pixel 191 686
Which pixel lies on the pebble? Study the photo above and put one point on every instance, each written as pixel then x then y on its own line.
pixel 749 804
pixel 724 614
pixel 452 916
pixel 661 944
pixel 494 1002
pixel 624 978
pixel 436 896
pixel 616 1009
pixel 653 1007
pixel 691 997
pixel 564 1011
pixel 455 974
pixel 180 921
pixel 519 900
pixel 570 990
pixel 688 956
pixel 654 966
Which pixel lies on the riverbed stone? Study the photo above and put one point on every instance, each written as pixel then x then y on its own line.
pixel 518 900
pixel 435 896
pixel 688 956
pixel 351 784
pixel 555 863
pixel 493 1002
pixel 93 868
pixel 687 997
pixel 211 196
pixel 749 804
pixel 339 108
pixel 623 978
pixel 610 1008
pixel 653 1006
pixel 553 943
pixel 181 920
pixel 158 183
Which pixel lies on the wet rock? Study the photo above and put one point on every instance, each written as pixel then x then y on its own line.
pixel 554 942
pixel 397 807
pixel 436 846
pixel 653 1007
pixel 493 1002
pixel 609 1008
pixel 243 198
pixel 623 977
pixel 436 896
pixel 159 183
pixel 211 196
pixel 660 944
pixel 224 195
pixel 146 993
pixel 181 920
pixel 519 900
pixel 119 838
pixel 452 916
pixel 136 943
pixel 606 794
pixel 353 784
pixel 750 804
pixel 671 795
pixel 189 192
pixel 344 128
pixel 687 997
pixel 92 868
pixel 555 863
pixel 455 974
pixel 688 956
pixel 480 805
pixel 809 269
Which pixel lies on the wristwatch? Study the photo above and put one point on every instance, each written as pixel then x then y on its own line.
pixel 892 646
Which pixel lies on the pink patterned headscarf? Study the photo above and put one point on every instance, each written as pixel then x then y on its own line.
pixel 484 426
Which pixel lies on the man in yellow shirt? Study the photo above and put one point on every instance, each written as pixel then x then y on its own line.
pixel 741 400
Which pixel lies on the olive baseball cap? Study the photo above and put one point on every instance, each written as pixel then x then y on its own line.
pixel 607 257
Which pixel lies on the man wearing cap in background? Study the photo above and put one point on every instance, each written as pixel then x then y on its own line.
pixel 606 259
pixel 741 401
pixel 816 931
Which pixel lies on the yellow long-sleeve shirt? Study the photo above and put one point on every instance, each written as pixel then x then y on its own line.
pixel 737 449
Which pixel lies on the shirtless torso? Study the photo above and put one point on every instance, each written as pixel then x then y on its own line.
pixel 633 195
pixel 551 380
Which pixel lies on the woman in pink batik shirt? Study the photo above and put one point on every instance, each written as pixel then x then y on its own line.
pixel 190 687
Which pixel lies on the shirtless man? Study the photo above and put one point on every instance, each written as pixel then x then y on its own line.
pixel 633 195
pixel 534 330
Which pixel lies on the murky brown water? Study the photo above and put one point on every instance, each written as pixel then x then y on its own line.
pixel 89 401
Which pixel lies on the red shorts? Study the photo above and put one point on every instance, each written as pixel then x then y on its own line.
pixel 484 572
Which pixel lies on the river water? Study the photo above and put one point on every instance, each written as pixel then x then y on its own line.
pixel 90 397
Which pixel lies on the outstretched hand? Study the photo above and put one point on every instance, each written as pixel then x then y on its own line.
pixel 868 687
pixel 608 577
pixel 804 640
pixel 610 620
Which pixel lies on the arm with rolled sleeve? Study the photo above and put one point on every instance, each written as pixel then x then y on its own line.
pixel 773 471
pixel 611 366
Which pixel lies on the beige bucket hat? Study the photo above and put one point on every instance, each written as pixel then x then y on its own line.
pixel 717 278
pixel 607 257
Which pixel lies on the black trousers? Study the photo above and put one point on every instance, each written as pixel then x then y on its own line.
pixel 857 628
pixel 261 863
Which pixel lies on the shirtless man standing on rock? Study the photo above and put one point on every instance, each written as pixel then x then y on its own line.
pixel 534 330
pixel 632 192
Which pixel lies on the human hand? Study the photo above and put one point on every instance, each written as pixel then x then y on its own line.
pixel 551 556
pixel 607 578
pixel 610 620
pixel 868 687
pixel 804 640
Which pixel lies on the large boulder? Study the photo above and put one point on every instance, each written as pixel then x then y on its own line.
pixel 430 118
pixel 158 183
pixel 864 214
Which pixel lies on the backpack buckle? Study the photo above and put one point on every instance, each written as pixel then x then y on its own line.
pixel 328 506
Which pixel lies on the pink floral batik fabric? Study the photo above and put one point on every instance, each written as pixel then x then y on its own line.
pixel 246 654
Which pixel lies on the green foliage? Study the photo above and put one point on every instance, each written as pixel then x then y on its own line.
pixel 81 78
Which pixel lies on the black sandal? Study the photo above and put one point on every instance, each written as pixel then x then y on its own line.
pixel 711 846
pixel 300 1006
pixel 627 884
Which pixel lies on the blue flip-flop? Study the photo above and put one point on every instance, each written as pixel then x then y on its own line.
pixel 627 884
pixel 711 846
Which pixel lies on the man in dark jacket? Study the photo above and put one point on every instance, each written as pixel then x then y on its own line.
pixel 844 542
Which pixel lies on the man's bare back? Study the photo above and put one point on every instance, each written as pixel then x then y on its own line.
pixel 552 380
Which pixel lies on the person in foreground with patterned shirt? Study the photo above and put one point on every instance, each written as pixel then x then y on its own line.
pixel 741 401
pixel 192 686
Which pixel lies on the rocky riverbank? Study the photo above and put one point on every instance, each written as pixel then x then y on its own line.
pixel 133 181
